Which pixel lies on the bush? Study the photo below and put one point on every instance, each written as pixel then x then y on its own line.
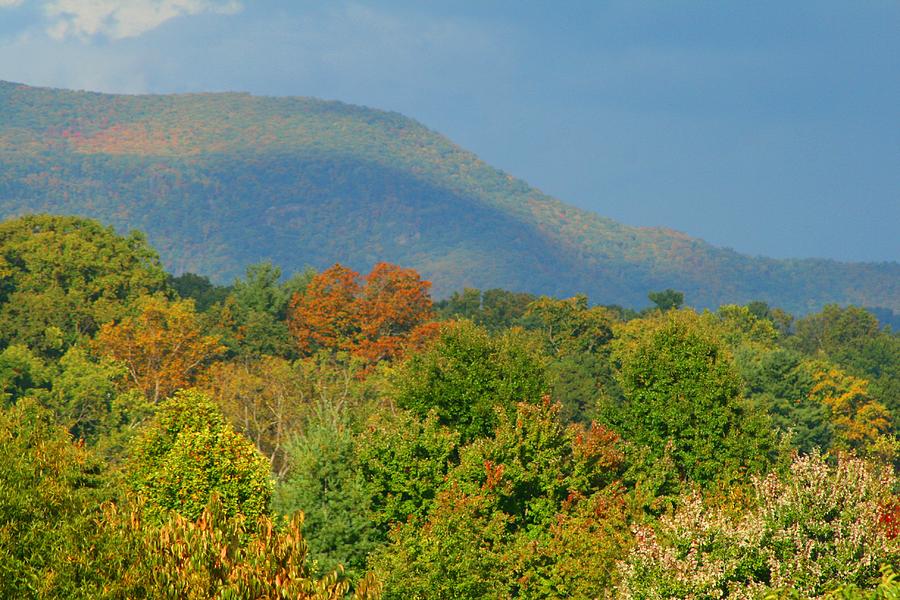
pixel 810 531
pixel 214 556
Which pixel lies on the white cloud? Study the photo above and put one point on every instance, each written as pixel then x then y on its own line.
pixel 71 64
pixel 119 19
pixel 9 3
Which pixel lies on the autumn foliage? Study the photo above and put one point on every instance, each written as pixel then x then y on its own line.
pixel 214 556
pixel 325 315
pixel 332 436
pixel 858 419
pixel 375 317
pixel 162 347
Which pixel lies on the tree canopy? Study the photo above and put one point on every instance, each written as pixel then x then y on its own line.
pixel 61 278
pixel 332 435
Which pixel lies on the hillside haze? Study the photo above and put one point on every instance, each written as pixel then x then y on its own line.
pixel 220 181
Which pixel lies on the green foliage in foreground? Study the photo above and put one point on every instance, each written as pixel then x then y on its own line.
pixel 405 462
pixel 532 512
pixel 50 494
pixel 444 474
pixel 188 453
pixel 66 533
pixel 888 588
pixel 326 485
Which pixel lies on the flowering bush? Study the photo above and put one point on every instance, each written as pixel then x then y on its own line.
pixel 809 531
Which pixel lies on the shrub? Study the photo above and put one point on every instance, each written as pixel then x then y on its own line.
pixel 810 531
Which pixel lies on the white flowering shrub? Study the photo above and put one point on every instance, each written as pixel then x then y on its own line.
pixel 807 533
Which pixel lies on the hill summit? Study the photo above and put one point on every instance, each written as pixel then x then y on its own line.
pixel 219 181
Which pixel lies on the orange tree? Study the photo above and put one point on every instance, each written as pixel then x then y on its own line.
pixel 375 319
pixel 162 347
pixel 394 303
pixel 325 315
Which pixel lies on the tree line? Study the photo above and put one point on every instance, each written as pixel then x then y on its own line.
pixel 334 434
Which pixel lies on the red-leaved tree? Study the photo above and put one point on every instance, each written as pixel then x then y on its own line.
pixel 375 320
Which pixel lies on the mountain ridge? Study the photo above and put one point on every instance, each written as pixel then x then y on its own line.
pixel 221 180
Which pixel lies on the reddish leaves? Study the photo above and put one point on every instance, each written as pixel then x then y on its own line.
pixel 375 320
pixel 889 518
pixel 325 315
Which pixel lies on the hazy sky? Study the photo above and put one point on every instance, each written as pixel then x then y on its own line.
pixel 772 128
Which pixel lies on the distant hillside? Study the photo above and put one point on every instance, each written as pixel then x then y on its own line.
pixel 219 181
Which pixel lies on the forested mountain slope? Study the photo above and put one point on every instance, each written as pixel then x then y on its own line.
pixel 219 181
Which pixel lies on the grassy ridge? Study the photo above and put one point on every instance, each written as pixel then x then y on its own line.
pixel 222 180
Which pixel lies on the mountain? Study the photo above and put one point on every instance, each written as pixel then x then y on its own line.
pixel 219 181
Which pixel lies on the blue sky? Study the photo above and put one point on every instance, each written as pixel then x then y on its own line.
pixel 769 127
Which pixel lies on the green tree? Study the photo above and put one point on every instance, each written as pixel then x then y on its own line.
pixel 779 381
pixel 503 309
pixel 876 359
pixel 781 320
pixel 576 337
pixel 187 453
pixel 495 309
pixel 738 326
pixel 461 305
pixel 50 495
pixel 532 512
pixel 404 461
pixel 776 381
pixel 680 386
pixel 667 299
pixel 326 484
pixel 199 289
pixel 22 374
pixel 834 329
pixel 261 289
pixel 63 277
pixel 570 326
pixel 251 320
pixel 465 373
pixel 85 391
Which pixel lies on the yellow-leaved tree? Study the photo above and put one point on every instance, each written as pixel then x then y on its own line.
pixel 858 418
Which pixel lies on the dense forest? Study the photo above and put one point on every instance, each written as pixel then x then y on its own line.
pixel 332 434
pixel 222 181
